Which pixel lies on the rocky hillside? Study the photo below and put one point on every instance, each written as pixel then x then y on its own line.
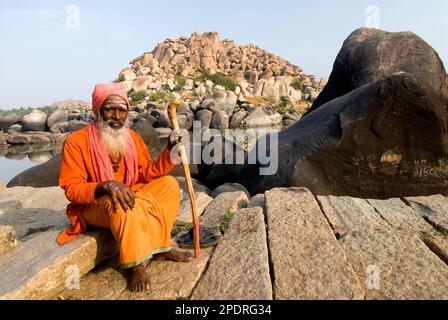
pixel 186 64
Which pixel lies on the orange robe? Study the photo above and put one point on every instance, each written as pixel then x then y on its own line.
pixel 140 232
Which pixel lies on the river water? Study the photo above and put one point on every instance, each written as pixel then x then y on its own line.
pixel 9 168
pixel 18 158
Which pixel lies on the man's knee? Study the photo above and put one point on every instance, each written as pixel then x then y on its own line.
pixel 171 184
pixel 106 203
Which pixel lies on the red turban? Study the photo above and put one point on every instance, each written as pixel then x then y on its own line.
pixel 103 90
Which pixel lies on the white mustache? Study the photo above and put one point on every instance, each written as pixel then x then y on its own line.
pixel 109 122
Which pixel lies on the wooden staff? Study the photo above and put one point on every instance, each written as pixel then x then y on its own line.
pixel 173 117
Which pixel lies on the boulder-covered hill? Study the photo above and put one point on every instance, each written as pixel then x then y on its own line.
pixel 185 65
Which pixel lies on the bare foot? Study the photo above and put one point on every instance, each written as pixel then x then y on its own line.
pixel 174 255
pixel 139 279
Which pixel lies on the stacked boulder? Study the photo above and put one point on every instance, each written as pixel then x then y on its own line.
pixel 255 71
pixel 219 110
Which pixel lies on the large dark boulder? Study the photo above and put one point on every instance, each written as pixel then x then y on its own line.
pixel 228 169
pixel 149 136
pixel 155 146
pixel 41 176
pixel 373 134
pixel 370 54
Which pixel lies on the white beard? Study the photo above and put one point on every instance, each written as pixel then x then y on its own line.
pixel 114 140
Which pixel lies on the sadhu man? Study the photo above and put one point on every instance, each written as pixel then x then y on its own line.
pixel 112 182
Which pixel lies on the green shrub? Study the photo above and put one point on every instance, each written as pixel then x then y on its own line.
pixel 297 84
pixel 283 105
pixel 179 227
pixel 217 79
pixel 47 109
pixel 180 83
pixel 137 97
pixel 121 78
pixel 24 111
pixel 161 95
pixel 225 221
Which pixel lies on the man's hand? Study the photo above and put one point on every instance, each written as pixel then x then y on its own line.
pixel 120 193
pixel 177 137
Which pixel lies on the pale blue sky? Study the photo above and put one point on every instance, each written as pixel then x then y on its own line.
pixel 42 61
